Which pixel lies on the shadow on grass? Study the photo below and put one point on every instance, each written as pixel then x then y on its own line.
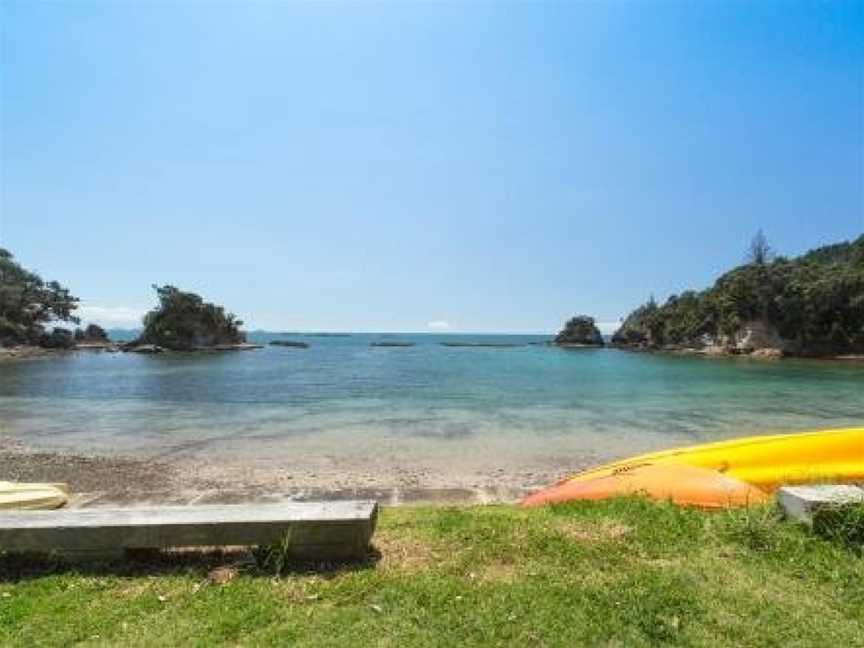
pixel 172 562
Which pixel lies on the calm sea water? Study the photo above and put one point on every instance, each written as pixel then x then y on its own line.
pixel 342 396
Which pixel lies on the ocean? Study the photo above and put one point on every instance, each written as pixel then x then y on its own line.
pixel 478 410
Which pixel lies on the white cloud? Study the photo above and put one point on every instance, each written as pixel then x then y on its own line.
pixel 439 325
pixel 111 316
pixel 608 328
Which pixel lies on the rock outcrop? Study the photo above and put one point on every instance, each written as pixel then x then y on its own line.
pixel 579 331
pixel 289 343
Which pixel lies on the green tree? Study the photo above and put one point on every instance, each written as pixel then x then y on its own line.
pixel 28 304
pixel 93 333
pixel 58 338
pixel 759 251
pixel 184 321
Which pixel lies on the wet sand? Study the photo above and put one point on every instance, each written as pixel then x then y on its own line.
pixel 18 353
pixel 127 481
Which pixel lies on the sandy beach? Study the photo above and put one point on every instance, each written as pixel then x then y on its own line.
pixel 107 481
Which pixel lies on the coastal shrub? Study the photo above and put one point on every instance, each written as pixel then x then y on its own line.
pixel 58 338
pixel 814 303
pixel 29 305
pixel 184 321
pixel 93 333
pixel 842 524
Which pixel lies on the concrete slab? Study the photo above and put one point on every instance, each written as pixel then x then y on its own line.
pixel 803 502
pixel 319 530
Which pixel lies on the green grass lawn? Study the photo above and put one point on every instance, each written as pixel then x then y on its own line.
pixel 624 572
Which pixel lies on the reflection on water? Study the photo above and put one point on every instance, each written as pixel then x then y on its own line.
pixel 342 396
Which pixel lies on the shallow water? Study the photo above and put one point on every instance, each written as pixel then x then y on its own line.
pixel 437 406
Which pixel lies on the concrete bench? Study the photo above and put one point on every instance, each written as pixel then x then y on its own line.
pixel 319 530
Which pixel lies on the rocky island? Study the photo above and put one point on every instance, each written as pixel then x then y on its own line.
pixel 812 305
pixel 183 321
pixel 579 331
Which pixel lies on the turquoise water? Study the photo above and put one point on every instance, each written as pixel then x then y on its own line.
pixel 429 404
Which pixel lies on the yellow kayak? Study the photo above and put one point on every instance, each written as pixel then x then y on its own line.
pixel 835 456
pixel 14 496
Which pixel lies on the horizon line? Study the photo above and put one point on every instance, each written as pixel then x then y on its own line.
pixel 363 332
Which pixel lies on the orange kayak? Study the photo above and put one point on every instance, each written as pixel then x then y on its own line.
pixel 824 456
pixel 679 483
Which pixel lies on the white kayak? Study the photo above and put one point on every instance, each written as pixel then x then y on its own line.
pixel 17 497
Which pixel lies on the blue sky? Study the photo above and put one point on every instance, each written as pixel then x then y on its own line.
pixel 391 166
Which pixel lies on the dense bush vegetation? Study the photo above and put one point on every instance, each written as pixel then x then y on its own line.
pixel 184 321
pixel 28 305
pixel 93 333
pixel 58 338
pixel 580 330
pixel 815 303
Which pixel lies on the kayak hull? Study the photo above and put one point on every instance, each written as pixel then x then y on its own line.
pixel 761 462
pixel 680 484
pixel 835 456
pixel 15 496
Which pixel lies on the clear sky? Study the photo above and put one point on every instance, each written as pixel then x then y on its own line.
pixel 398 166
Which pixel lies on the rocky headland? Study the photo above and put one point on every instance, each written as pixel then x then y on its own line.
pixel 770 307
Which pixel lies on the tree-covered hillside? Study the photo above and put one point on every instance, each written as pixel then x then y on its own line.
pixel 810 305
pixel 29 306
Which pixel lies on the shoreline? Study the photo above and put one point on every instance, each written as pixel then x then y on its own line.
pixel 720 353
pixel 27 352
pixel 104 481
